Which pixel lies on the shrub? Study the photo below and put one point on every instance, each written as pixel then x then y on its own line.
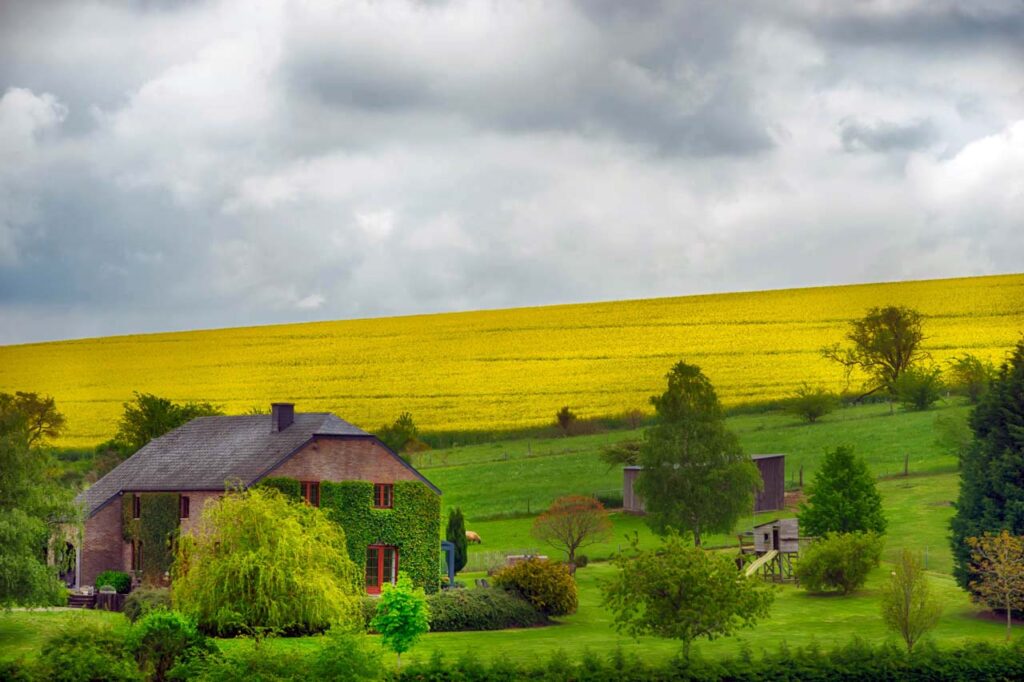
pixel 119 580
pixel 251 660
pixel 367 610
pixel 582 560
pixel 162 638
pixel 919 388
pixel 83 650
pixel 401 616
pixel 344 656
pixel 460 610
pixel 812 403
pixel 145 599
pixel 545 584
pixel 840 562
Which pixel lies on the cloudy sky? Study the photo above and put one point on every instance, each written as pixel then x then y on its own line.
pixel 178 165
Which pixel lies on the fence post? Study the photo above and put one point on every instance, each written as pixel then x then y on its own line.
pixel 926 557
pixel 801 476
pixel 906 463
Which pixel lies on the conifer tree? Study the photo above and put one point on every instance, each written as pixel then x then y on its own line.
pixel 992 470
pixel 456 534
pixel 843 498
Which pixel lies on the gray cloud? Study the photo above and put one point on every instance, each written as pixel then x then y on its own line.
pixel 182 165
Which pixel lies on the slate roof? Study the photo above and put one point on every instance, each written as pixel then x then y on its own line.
pixel 209 452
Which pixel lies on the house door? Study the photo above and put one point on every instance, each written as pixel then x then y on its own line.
pixel 381 566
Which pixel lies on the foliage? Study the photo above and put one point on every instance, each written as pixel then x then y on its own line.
pixel 683 593
pixel 481 609
pixel 811 403
pixel 253 660
pixel 953 434
pixel 259 561
pixel 908 606
pixel 839 562
pixel 345 657
pixel 148 416
pixel 144 600
pixel 119 580
pixel 918 388
pixel 156 528
pixel 997 564
pixel 695 476
pixel 162 638
pixel 546 585
pixel 82 650
pixel 456 534
pixel 970 376
pixel 32 512
pixel 565 418
pixel 402 616
pixel 582 560
pixel 572 522
pixel 622 454
pixel 400 435
pixel 44 422
pixel 991 496
pixel 842 498
pixel 886 342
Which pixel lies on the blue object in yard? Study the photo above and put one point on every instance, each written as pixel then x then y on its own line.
pixel 449 558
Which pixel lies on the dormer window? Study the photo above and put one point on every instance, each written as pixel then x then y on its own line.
pixel 383 495
pixel 311 492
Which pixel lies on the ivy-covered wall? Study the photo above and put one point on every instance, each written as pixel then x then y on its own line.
pixel 413 524
pixel 156 527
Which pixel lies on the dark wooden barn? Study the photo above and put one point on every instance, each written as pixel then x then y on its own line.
pixel 773 473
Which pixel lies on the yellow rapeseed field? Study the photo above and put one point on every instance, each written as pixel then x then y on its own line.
pixel 506 368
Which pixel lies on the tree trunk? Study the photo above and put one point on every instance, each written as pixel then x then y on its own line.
pixel 696 536
pixel 1009 618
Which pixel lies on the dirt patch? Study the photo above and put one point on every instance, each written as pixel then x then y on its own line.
pixel 792 500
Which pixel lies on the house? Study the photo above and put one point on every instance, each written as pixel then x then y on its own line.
pixel 771 498
pixel 389 511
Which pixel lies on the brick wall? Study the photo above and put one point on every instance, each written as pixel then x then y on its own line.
pixel 104 548
pixel 197 500
pixel 333 459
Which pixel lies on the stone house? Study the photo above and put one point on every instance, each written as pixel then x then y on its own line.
pixel 132 513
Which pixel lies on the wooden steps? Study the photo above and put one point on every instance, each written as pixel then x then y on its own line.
pixel 82 601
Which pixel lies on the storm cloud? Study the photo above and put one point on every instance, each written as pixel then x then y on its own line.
pixel 182 165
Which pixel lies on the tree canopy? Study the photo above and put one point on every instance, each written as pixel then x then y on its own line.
pixel 147 416
pixel 572 522
pixel 42 419
pixel 683 593
pixel 908 605
pixel 260 561
pixel 843 497
pixel 695 476
pixel 456 534
pixel 884 344
pixel 402 616
pixel 991 487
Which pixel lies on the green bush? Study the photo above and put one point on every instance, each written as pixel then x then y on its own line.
pixel 83 650
pixel 839 562
pixel 483 609
pixel 919 388
pixel 251 661
pixel 146 599
pixel 162 638
pixel 119 580
pixel 812 402
pixel 582 560
pixel 344 656
pixel 545 584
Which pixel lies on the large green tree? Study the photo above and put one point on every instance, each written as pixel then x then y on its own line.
pixel 992 470
pixel 843 497
pixel 33 511
pixel 683 593
pixel 260 561
pixel 884 344
pixel 42 418
pixel 147 416
pixel 695 476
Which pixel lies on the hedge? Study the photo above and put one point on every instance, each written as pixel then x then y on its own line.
pixel 481 609
pixel 413 524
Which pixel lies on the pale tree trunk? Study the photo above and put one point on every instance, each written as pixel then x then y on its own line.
pixel 1009 618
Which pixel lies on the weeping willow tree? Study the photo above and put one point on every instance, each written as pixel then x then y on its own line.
pixel 259 562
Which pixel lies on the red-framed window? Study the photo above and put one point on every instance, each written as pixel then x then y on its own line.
pixel 136 506
pixel 183 506
pixel 311 492
pixel 381 567
pixel 383 495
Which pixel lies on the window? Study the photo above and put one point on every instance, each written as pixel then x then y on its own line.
pixel 183 506
pixel 136 506
pixel 311 492
pixel 381 567
pixel 383 495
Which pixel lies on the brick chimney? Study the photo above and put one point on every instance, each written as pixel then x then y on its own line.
pixel 281 416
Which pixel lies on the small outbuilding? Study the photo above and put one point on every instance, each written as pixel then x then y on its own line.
pixel 631 502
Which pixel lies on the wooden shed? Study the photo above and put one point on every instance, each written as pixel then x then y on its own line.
pixel 631 502
pixel 773 474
